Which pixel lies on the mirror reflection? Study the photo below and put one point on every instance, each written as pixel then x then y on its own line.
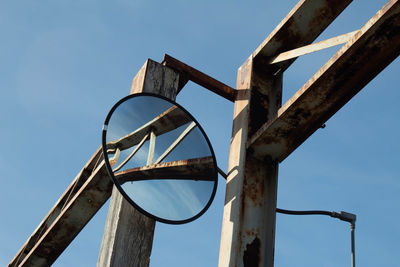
pixel 160 158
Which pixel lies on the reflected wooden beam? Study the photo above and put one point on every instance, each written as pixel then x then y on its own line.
pixel 167 121
pixel 373 48
pixel 201 169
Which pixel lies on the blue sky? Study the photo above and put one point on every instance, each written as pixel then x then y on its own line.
pixel 65 63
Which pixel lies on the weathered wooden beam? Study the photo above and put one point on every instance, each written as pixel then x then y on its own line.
pixel 128 234
pixel 374 47
pixel 200 78
pixel 304 23
pixel 167 121
pixel 304 50
pixel 79 203
pixel 191 169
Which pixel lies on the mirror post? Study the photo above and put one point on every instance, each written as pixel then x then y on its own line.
pixel 128 235
pixel 248 227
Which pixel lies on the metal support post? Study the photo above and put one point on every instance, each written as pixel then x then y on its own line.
pixel 248 227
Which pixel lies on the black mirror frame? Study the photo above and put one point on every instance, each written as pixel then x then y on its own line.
pixel 116 183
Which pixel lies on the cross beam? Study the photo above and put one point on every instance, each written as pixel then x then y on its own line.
pixel 366 54
pixel 199 169
pixel 304 23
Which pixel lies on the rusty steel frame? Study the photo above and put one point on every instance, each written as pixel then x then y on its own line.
pixel 270 135
pixel 271 141
pixel 374 47
pixel 304 23
pixel 79 203
pixel 248 228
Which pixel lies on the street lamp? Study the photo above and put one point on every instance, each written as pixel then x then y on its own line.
pixel 341 215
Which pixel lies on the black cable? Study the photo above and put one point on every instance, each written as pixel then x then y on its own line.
pixel 344 216
pixel 305 212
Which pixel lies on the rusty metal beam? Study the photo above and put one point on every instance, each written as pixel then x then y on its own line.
pixel 304 23
pixel 191 169
pixel 248 227
pixel 374 47
pixel 200 78
pixel 304 50
pixel 79 203
pixel 167 121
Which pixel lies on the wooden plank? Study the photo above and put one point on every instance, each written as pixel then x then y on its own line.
pixel 201 169
pixel 341 39
pixel 200 78
pixel 128 234
pixel 374 47
pixel 167 121
pixel 304 23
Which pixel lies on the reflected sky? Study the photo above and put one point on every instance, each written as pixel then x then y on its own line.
pixel 171 199
pixel 134 113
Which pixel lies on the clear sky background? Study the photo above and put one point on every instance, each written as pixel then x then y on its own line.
pixel 63 65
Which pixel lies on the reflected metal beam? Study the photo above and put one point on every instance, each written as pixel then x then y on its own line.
pixel 131 154
pixel 167 121
pixel 152 147
pixel 199 169
pixel 176 142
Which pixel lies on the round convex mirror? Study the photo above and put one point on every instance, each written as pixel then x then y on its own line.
pixel 159 158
